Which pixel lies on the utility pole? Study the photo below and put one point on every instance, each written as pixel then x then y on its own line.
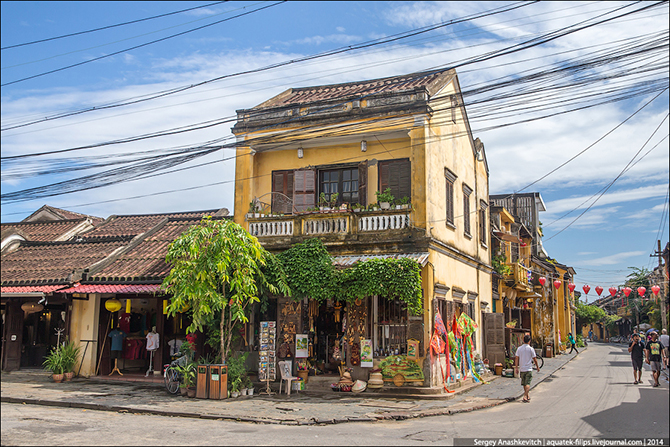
pixel 664 291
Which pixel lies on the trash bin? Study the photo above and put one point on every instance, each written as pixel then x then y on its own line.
pixel 201 382
pixel 498 367
pixel 218 381
pixel 549 351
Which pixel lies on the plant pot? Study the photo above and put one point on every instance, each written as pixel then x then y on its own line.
pixel 250 391
pixel 243 392
pixel 190 392
pixel 58 378
pixel 69 376
pixel 303 374
pixel 384 205
pixel 183 390
pixel 234 394
pixel 257 215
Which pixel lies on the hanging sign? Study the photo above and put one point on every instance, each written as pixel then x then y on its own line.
pixel 366 353
pixel 301 346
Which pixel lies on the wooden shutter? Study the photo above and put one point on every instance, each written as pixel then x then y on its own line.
pixel 363 182
pixel 304 189
pixel 450 201
pixel 494 336
pixel 282 182
pixel 397 175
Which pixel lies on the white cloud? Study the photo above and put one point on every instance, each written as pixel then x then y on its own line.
pixel 620 196
pixel 612 259
pixel 340 29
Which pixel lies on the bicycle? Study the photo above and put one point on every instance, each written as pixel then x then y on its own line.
pixel 172 376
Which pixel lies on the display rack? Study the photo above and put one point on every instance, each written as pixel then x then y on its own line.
pixel 267 368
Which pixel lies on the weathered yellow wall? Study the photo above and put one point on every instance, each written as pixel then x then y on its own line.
pixel 84 326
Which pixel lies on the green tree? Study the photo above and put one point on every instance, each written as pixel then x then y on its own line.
pixel 587 314
pixel 217 267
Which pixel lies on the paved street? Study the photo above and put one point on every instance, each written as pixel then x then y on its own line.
pixel 590 396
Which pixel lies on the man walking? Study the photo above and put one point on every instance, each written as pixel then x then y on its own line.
pixel 636 349
pixel 653 352
pixel 572 343
pixel 665 341
pixel 523 359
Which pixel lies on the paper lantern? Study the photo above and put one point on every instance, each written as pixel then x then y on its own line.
pixel 557 284
pixel 655 289
pixel 113 305
pixel 599 290
pixel 641 291
pixel 627 291
pixel 571 286
pixel 613 291
pixel 542 280
pixel 586 288
pixel 31 308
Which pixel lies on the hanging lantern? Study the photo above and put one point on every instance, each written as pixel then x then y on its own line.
pixel 655 289
pixel 31 308
pixel 128 306
pixel 641 291
pixel 165 307
pixel 542 280
pixel 613 291
pixel 599 290
pixel 557 284
pixel 627 291
pixel 586 288
pixel 571 286
pixel 113 305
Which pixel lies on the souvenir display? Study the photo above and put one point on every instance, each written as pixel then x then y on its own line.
pixel 266 355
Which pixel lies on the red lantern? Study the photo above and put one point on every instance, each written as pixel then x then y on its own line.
pixel 627 291
pixel 571 286
pixel 655 289
pixel 542 280
pixel 586 288
pixel 599 290
pixel 641 291
pixel 613 291
pixel 557 284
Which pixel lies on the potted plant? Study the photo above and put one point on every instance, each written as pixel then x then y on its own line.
pixel 323 202
pixel 333 200
pixel 235 387
pixel 404 203
pixel 385 198
pixel 356 207
pixel 253 209
pixel 70 353
pixel 249 386
pixel 54 362
pixel 187 373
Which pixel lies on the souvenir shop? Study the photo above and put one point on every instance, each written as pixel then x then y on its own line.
pixel 137 336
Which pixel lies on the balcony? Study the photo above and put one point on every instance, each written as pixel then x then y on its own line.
pixel 335 223
pixel 519 276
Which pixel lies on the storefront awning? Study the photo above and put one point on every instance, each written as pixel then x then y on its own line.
pixel 14 290
pixel 348 261
pixel 113 288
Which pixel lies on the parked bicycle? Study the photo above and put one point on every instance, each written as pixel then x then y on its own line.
pixel 172 376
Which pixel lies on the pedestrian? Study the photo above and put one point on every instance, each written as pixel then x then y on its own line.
pixel 591 335
pixel 654 353
pixel 665 341
pixel 636 349
pixel 523 359
pixel 572 343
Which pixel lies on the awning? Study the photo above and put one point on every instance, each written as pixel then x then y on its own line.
pixel 113 288
pixel 348 261
pixel 30 289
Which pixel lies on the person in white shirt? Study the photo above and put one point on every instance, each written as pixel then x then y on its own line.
pixel 523 359
pixel 665 341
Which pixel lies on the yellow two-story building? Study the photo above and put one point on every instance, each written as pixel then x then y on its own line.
pixel 337 147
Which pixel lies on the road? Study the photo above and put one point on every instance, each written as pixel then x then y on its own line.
pixel 591 396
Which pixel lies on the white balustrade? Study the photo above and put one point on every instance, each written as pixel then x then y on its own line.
pixel 326 225
pixel 272 228
pixel 383 222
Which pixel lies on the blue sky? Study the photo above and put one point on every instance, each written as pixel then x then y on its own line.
pixel 618 231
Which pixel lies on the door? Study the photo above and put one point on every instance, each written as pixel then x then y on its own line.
pixel 494 336
pixel 13 336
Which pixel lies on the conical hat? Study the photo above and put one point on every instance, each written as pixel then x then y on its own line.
pixel 359 386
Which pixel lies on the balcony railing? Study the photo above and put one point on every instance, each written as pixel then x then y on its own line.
pixel 519 275
pixel 329 223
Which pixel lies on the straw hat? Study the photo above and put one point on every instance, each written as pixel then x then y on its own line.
pixel 346 379
pixel 359 386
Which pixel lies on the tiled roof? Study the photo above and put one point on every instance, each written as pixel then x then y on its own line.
pixel 354 89
pixel 113 288
pixel 349 260
pixel 52 262
pixel 29 289
pixel 63 214
pixel 40 231
pixel 147 260
pixel 134 224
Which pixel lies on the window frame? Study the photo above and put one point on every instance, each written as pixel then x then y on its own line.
pixel 340 169
pixel 467 192
pixel 450 179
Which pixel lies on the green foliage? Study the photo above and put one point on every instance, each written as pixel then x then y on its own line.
pixel 309 270
pixel 638 277
pixel 70 353
pixel 610 323
pixel 587 314
pixel 54 361
pixel 215 268
pixel 499 265
pixel 237 371
pixel 385 196
pixel 187 373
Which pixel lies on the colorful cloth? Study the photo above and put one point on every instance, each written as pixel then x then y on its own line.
pixel 439 324
pixel 468 326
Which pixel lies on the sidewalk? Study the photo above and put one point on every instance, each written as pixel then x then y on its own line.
pixel 303 408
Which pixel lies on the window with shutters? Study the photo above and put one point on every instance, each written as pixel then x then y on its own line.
pixel 449 206
pixel 304 189
pixel 482 222
pixel 466 209
pixel 397 175
pixel 282 192
pixel 344 182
